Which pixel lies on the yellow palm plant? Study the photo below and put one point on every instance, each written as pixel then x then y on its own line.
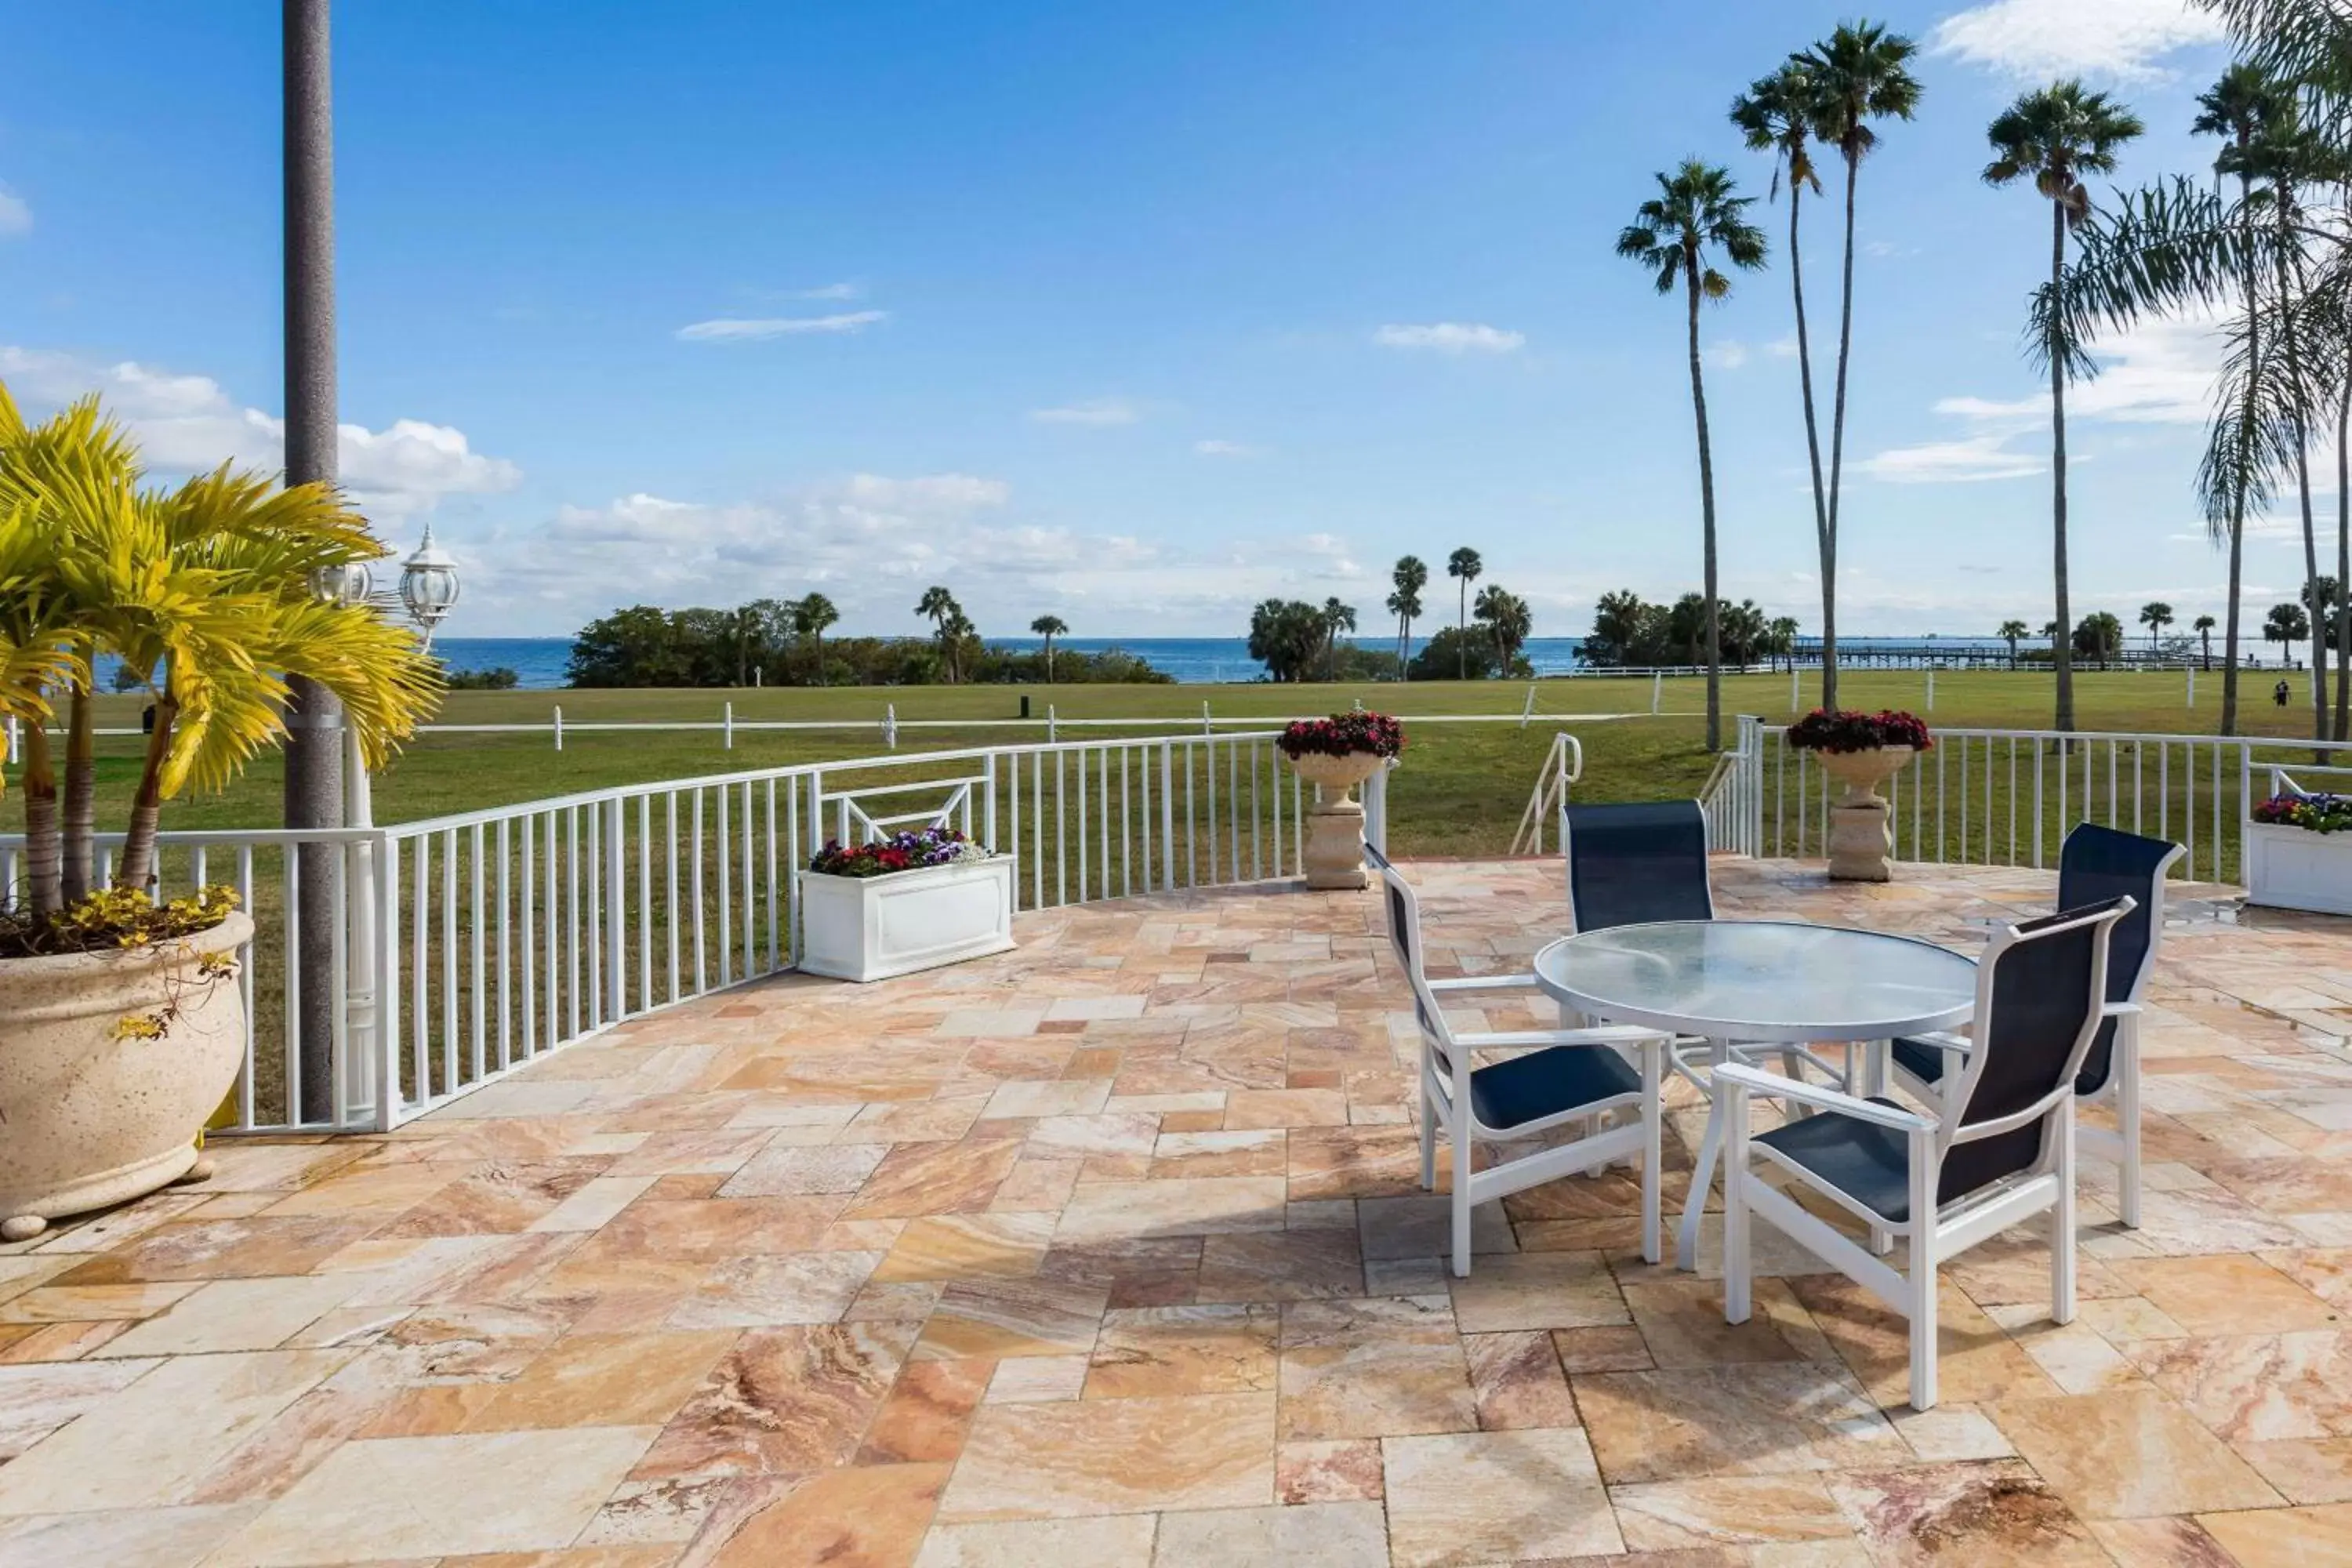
pixel 204 592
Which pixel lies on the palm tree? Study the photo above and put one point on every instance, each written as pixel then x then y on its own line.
pixel 1408 576
pixel 956 635
pixel 1508 622
pixel 2155 616
pixel 2286 624
pixel 1783 631
pixel 1672 234
pixel 1336 617
pixel 2203 627
pixel 1776 115
pixel 2238 107
pixel 1464 565
pixel 812 616
pixel 1860 73
pixel 2053 136
pixel 2012 633
pixel 204 594
pixel 941 606
pixel 1049 628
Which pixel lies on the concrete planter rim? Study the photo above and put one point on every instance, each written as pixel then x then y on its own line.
pixel 235 930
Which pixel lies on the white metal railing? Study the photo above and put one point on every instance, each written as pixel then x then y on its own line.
pixel 465 946
pixel 2006 797
pixel 1563 764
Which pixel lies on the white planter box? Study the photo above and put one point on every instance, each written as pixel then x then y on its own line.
pixel 871 928
pixel 2295 869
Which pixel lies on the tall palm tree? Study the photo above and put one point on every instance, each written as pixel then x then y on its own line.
pixel 941 606
pixel 2155 616
pixel 2053 136
pixel 812 616
pixel 1858 74
pixel 2014 632
pixel 1336 617
pixel 1464 566
pixel 1674 236
pixel 1777 114
pixel 1409 577
pixel 2203 627
pixel 2239 107
pixel 1049 628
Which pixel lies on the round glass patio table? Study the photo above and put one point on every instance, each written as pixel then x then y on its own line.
pixel 1744 985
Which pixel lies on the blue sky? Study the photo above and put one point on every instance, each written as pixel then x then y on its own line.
pixel 1132 314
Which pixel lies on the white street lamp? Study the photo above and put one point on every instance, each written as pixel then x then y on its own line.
pixel 428 585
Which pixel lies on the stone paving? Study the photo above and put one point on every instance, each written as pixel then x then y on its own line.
pixel 1109 1251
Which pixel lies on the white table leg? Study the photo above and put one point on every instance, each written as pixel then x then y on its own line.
pixel 1710 1154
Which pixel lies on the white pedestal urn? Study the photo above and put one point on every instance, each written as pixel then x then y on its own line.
pixel 872 928
pixel 1335 823
pixel 1862 825
pixel 95 1114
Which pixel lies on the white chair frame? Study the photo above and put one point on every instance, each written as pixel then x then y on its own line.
pixel 1445 1068
pixel 1933 1233
pixel 2120 1143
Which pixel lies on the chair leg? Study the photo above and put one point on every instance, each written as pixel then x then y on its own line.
pixel 1710 1149
pixel 2062 1223
pixel 1793 1064
pixel 2126 1071
pixel 1738 1262
pixel 1653 1158
pixel 1921 1284
pixel 1461 1203
pixel 1428 1139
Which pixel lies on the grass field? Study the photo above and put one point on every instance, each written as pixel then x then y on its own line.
pixel 1461 791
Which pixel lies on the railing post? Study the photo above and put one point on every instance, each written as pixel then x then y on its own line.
pixel 1207 727
pixel 1527 714
pixel 558 726
pixel 727 724
pixel 890 725
pixel 1657 688
pixel 1931 688
pixel 987 802
pixel 356 1095
pixel 1793 698
pixel 16 742
pixel 1166 816
pixel 387 969
pixel 617 912
pixel 1053 725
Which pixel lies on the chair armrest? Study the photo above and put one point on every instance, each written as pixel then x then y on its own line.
pixel 2118 1009
pixel 1779 1088
pixel 1486 982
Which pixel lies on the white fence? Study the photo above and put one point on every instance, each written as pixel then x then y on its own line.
pixel 2006 797
pixel 468 945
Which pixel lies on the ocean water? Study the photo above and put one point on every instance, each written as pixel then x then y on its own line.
pixel 541 661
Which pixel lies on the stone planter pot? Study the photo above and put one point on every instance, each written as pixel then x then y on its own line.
pixel 871 928
pixel 1862 826
pixel 1335 823
pixel 2294 868
pixel 93 1119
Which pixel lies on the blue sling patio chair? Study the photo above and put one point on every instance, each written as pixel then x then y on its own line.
pixel 1555 1077
pixel 1997 1148
pixel 2096 864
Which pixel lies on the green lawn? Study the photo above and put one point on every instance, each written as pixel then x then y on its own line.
pixel 1461 791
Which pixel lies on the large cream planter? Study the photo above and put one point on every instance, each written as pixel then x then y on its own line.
pixel 871 928
pixel 92 1119
pixel 2295 869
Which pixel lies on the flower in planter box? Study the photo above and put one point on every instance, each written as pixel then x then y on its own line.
pixel 1343 735
pixel 2313 812
pixel 1849 730
pixel 913 850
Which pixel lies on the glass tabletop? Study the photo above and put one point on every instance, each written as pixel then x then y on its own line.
pixel 1762 980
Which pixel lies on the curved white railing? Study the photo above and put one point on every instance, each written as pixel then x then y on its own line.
pixel 463 946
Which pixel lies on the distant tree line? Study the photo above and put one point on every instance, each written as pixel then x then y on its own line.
pixel 1298 641
pixel 775 642
pixel 1630 633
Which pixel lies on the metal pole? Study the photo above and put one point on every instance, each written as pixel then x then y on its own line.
pixel 314 742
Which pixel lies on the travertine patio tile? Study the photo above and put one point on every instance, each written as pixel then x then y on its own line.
pixel 38 1399
pixel 1204 1205
pixel 959 1246
pixel 2301 1535
pixel 1313 1535
pixel 1539 1290
pixel 1115 1456
pixel 871 1514
pixel 237 1315
pixel 1997 1512
pixel 134 1538
pixel 1159 1350
pixel 783 1401
pixel 2130 1453
pixel 420 1497
pixel 1732 1420
pixel 768 1291
pixel 1121 1539
pixel 1496 1497
pixel 1373 1369
pixel 1727 1510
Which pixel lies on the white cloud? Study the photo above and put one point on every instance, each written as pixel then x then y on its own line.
pixel 1729 354
pixel 729 329
pixel 2163 373
pixel 2037 39
pixel 1099 410
pixel 832 292
pixel 1782 347
pixel 1450 337
pixel 185 424
pixel 1214 448
pixel 15 216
